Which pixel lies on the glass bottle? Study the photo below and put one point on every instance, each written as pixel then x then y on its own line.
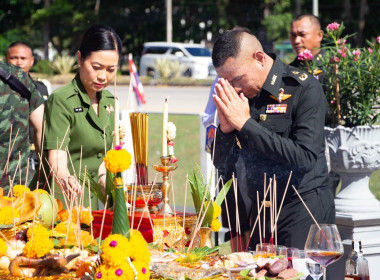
pixel 356 264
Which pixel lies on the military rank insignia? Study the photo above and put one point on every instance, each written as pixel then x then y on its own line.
pixel 276 108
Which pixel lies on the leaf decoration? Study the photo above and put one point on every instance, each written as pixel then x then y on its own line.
pixel 120 223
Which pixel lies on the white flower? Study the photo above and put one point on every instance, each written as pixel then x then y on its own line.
pixel 170 131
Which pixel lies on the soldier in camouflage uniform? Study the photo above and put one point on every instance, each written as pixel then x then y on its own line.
pixel 16 114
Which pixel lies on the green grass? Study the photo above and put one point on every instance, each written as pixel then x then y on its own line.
pixel 186 149
pixel 374 184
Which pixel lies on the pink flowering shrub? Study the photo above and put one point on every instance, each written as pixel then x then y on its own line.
pixel 356 70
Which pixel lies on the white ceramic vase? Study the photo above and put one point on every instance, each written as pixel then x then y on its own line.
pixel 354 155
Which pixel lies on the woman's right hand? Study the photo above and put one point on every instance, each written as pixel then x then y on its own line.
pixel 71 186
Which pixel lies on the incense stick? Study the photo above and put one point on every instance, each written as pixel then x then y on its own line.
pixel 101 226
pixel 258 214
pixel 184 203
pixel 282 200
pixel 307 208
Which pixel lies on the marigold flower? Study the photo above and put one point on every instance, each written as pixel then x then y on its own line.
pixel 37 231
pixel 117 160
pixel 118 181
pixel 215 225
pixel 19 190
pixel 3 247
pixel 7 214
pixel 39 248
pixel 333 26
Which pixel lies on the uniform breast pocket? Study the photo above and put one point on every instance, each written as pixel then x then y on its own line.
pixel 279 124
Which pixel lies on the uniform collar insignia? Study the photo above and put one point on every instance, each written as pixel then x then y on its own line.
pixel 273 81
pixel 303 76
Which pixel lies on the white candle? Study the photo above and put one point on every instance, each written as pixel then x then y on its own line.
pixel 164 126
pixel 116 129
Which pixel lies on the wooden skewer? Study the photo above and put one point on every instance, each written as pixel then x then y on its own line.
pixel 307 208
pixel 228 214
pixel 89 200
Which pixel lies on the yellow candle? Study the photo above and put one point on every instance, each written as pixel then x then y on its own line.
pixel 116 129
pixel 164 125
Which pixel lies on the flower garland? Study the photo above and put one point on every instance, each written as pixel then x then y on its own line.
pixel 117 160
pixel 7 214
pixel 170 136
pixel 123 258
pixel 215 224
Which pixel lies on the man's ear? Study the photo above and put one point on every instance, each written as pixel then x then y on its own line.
pixel 259 56
pixel 320 35
pixel 79 58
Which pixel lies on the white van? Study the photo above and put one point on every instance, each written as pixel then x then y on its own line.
pixel 196 57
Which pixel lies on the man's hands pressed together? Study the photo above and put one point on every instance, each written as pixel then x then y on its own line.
pixel 233 108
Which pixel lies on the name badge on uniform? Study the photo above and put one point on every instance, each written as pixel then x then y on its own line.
pixel 276 108
pixel 78 110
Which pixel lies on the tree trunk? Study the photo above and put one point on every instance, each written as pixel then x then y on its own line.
pixel 46 32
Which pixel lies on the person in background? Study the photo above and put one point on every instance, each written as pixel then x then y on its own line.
pixel 17 114
pixel 20 54
pixel 305 34
pixel 271 118
pixel 80 115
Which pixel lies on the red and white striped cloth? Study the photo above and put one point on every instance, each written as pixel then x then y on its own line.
pixel 136 84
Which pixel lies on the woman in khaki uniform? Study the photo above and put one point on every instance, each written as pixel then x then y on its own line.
pixel 79 116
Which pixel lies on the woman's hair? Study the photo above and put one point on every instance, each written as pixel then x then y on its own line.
pixel 99 37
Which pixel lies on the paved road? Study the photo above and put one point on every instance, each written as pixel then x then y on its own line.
pixel 182 100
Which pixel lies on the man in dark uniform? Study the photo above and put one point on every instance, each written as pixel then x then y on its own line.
pixel 271 121
pixel 306 34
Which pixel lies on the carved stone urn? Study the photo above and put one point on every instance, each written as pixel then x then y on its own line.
pixel 354 155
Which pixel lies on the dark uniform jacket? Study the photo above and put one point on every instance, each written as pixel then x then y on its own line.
pixel 285 133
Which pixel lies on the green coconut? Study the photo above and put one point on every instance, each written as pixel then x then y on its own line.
pixel 46 214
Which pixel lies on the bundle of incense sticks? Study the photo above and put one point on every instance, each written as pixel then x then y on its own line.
pixel 139 127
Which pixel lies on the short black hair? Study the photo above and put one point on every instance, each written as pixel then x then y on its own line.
pixel 99 37
pixel 227 45
pixel 19 43
pixel 311 17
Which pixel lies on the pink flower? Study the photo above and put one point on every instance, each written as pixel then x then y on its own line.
pixel 356 53
pixel 305 55
pixel 343 51
pixel 370 50
pixel 334 59
pixel 340 42
pixel 333 26
pixel 118 147
pixel 378 39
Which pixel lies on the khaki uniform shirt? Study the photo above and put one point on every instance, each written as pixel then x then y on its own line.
pixel 72 123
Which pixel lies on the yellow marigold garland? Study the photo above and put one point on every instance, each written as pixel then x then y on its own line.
pixel 215 225
pixel 7 214
pixel 123 258
pixel 217 210
pixel 117 160
pixel 3 247
pixel 18 190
